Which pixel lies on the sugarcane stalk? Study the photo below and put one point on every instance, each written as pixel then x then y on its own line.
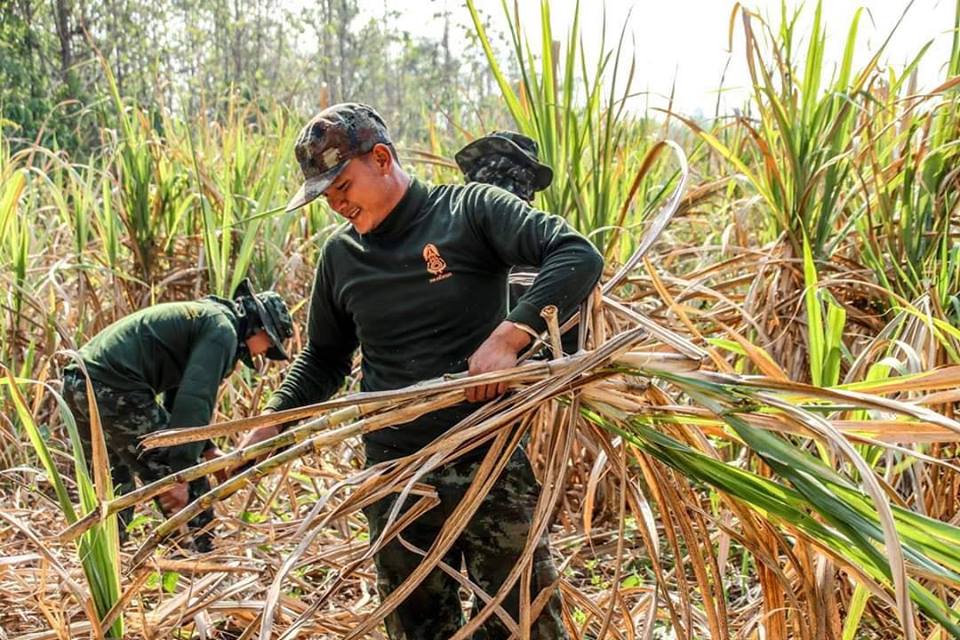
pixel 534 395
pixel 657 361
pixel 228 461
pixel 368 401
pixel 598 333
pixel 495 414
pixel 549 314
pixel 531 398
pixel 649 361
pixel 550 374
pixel 666 336
pixel 316 442
pixel 173 437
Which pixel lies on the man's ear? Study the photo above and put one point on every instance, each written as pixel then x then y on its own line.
pixel 382 157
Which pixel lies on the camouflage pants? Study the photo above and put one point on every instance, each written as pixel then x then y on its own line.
pixel 126 416
pixel 489 547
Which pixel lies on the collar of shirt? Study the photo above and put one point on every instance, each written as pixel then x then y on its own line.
pixel 402 215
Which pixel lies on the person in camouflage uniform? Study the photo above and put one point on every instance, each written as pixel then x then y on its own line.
pixel 508 160
pixel 181 351
pixel 511 161
pixel 417 280
pixel 489 546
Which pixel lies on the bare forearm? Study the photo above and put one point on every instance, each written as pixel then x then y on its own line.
pixel 499 351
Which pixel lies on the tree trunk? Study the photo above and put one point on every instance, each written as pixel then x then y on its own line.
pixel 61 10
pixel 343 34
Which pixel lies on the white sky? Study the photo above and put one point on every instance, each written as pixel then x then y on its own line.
pixel 687 40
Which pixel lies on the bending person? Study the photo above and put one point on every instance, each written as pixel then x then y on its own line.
pixel 181 351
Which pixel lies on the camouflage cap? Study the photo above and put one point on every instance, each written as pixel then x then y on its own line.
pixel 329 141
pixel 273 316
pixel 499 149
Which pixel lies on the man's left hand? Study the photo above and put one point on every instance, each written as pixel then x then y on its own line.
pixel 175 498
pixel 498 351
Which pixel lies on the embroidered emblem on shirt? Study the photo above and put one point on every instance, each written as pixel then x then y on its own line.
pixel 435 264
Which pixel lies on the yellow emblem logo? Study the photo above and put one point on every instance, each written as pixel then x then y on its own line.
pixel 435 264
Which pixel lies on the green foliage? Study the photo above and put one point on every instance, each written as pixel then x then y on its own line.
pixel 909 220
pixel 32 95
pixel 98 548
pixel 578 114
pixel 824 329
pixel 151 186
pixel 14 228
pixel 798 155
pixel 810 497
pixel 241 171
pixel 58 58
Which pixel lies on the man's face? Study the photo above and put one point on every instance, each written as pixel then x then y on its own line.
pixel 258 343
pixel 362 191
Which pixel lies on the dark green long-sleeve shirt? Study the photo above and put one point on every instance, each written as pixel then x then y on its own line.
pixel 184 349
pixel 423 290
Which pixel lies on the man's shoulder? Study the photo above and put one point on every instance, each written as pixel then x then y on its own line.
pixel 214 317
pixel 165 312
pixel 187 310
pixel 169 319
pixel 206 316
pixel 341 237
pixel 460 191
pixel 470 197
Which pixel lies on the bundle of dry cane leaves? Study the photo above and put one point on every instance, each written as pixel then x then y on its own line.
pixel 623 436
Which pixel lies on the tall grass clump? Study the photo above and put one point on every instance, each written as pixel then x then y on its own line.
pixel 802 146
pixel 603 157
pixel 910 224
pixel 98 549
pixel 666 446
pixel 240 168
pixel 798 145
pixel 14 225
pixel 151 186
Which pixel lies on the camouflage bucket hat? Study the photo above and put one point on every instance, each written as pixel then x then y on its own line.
pixel 493 151
pixel 277 322
pixel 329 141
pixel 274 316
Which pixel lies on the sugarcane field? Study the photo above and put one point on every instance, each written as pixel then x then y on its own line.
pixel 477 319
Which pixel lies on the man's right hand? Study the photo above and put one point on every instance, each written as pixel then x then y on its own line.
pixel 499 351
pixel 212 453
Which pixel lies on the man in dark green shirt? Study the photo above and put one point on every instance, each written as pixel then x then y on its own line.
pixel 182 351
pixel 417 279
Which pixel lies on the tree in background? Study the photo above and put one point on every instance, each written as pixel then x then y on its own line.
pixel 188 56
